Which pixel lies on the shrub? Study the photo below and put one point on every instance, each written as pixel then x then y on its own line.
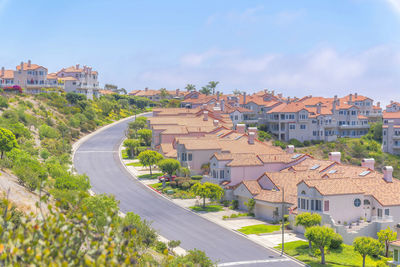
pixel 185 185
pixel 161 247
pixel 296 142
pixel 235 204
pixel 197 177
pixel 307 143
pixel 336 241
pixel 280 144
pixel 46 131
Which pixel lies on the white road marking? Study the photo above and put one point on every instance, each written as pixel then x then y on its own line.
pixel 253 262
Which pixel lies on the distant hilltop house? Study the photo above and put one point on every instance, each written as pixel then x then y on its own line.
pixel 34 79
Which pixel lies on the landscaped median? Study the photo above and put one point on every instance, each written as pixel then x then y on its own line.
pixel 342 256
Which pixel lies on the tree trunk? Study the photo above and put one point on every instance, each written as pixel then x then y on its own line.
pixel 132 152
pixel 2 154
pixel 386 249
pixel 150 170
pixel 309 244
pixel 364 260
pixel 204 202
pixel 322 255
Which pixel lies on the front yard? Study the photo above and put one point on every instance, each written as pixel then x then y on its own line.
pixel 207 208
pixel 174 191
pixel 259 229
pixel 343 256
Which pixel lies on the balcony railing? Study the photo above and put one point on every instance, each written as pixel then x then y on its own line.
pixel 358 126
pixel 382 219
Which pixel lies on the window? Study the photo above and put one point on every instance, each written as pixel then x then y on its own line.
pixel 380 213
pixel 318 205
pixel 298 202
pixel 214 174
pixel 395 255
pixel 303 192
pixel 308 206
pixel 190 156
pixel 292 126
pixel 366 202
pixel 302 126
pixel 326 205
pixel 183 156
pixel 221 174
pixel 312 204
pixel 387 212
pixel 303 203
pixel 357 202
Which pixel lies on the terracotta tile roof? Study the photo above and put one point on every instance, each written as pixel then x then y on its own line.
pixel 68 79
pixel 334 186
pixel 311 164
pixel 106 92
pixel 291 107
pixel 391 115
pixel 282 157
pixel 395 243
pixel 393 104
pixel 8 74
pixel 52 76
pixel 31 67
pixel 354 98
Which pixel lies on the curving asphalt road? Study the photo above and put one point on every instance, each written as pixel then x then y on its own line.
pixel 98 158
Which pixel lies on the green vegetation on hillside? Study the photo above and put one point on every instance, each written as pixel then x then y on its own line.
pixel 71 227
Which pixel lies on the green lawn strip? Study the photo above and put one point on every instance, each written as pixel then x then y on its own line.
pixel 124 154
pixel 343 256
pixel 135 164
pixel 237 215
pixel 209 208
pixel 259 229
pixel 173 192
pixel 148 176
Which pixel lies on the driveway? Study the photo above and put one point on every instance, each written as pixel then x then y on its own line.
pixel 98 158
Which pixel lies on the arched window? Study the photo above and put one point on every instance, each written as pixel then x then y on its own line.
pixel 303 192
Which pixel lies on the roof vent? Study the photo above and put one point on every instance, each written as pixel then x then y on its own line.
pixel 290 149
pixel 368 163
pixel 335 156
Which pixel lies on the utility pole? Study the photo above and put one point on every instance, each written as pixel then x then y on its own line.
pixel 283 221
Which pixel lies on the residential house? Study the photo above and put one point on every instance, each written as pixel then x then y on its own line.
pixel 391 132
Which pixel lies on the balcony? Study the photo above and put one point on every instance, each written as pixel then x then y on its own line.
pixel 382 219
pixel 357 126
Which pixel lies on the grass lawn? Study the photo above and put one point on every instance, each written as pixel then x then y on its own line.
pixel 209 208
pixel 124 154
pixel 344 256
pixel 135 164
pixel 259 229
pixel 173 192
pixel 148 176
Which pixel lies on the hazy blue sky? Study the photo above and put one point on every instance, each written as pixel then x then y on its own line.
pixel 299 47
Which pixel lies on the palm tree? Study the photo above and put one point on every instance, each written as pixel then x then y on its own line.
pixel 205 90
pixel 237 92
pixel 212 85
pixel 163 93
pixel 190 87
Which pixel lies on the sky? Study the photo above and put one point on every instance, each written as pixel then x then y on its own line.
pixel 298 48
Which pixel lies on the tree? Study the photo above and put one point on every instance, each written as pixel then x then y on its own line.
pixel 321 236
pixel 145 136
pixel 212 85
pixel 385 236
pixel 173 244
pixel 190 87
pixel 149 158
pixel 163 93
pixel 7 141
pixel 74 98
pixel 192 258
pixel 169 166
pixel 307 220
pixel 205 90
pixel 132 145
pixel 237 92
pixel 250 204
pixel 207 190
pixel 366 246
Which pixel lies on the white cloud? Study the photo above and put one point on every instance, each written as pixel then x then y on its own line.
pixel 374 72
pixel 395 4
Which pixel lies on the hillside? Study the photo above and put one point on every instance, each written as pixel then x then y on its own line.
pixel 48 206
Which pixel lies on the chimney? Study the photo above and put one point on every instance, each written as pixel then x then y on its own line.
pixel 350 99
pixel 216 123
pixel 244 98
pixel 205 113
pixel 388 173
pixel 217 96
pixel 222 105
pixel 22 65
pixel 333 107
pixel 335 98
pixel 288 99
pixel 252 136
pixel 355 95
pixel 280 95
pixel 29 63
pixel 290 149
pixel 146 89
pixel 253 130
pixel 2 71
pixel 368 163
pixel 335 156
pixel 378 104
pixel 391 101
pixel 273 92
pixel 203 106
pixel 240 128
pixel 77 66
pixel 319 108
pixel 177 92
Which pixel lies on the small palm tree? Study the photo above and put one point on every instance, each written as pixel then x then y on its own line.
pixel 205 90
pixel 163 93
pixel 212 85
pixel 190 87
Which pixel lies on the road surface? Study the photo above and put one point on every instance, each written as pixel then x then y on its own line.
pixel 98 158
